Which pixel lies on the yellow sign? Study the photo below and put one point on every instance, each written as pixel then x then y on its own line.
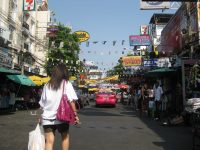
pixel 82 35
pixel 132 60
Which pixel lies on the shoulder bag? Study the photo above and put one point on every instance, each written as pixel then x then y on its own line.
pixel 65 112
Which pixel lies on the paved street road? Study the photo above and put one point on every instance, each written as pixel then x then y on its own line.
pixel 102 129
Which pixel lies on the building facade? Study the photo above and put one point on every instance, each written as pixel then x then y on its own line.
pixel 23 42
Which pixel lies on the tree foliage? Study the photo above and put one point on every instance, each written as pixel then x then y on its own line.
pixel 118 69
pixel 64 48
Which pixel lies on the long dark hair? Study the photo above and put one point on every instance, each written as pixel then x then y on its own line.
pixel 59 73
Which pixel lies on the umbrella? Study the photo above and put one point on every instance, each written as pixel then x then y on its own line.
pixel 93 89
pixel 21 79
pixel 37 80
pixel 46 79
pixel 72 78
pixel 122 86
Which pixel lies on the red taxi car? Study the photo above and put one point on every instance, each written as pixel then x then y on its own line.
pixel 105 98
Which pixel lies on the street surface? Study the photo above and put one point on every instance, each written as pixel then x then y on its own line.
pixel 102 129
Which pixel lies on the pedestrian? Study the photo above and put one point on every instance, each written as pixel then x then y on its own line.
pixel 157 93
pixel 50 100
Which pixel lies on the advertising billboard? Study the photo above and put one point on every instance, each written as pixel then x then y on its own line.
pixel 131 61
pixel 154 5
pixel 139 40
pixel 171 39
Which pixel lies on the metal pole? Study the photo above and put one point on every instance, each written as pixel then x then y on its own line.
pixel 183 82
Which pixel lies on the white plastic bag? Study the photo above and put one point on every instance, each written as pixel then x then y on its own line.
pixel 36 139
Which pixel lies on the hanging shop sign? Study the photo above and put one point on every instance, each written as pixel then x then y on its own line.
pixel 150 63
pixel 82 35
pixel 139 40
pixel 131 61
pixel 52 29
pixel 29 5
pixel 5 59
pixel 161 62
pixel 144 30
pixel 154 5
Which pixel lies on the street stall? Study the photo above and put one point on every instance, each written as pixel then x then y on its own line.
pixel 6 87
pixel 25 92
pixel 171 97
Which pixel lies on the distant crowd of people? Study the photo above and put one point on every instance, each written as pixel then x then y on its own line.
pixel 144 97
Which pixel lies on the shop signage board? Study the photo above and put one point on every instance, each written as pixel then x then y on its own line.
pixel 29 5
pixel 82 35
pixel 150 63
pixel 139 40
pixel 52 29
pixel 5 59
pixel 132 61
pixel 154 5
pixel 144 30
pixel 161 62
pixel 171 37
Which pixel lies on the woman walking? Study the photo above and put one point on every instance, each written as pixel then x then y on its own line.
pixel 50 100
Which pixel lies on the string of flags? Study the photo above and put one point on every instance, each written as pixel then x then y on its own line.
pixel 103 63
pixel 102 53
pixel 104 42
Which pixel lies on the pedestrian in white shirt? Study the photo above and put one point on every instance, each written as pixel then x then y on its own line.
pixel 157 93
pixel 50 100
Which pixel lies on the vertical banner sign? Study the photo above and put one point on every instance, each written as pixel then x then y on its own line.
pixel 144 30
pixel 29 5
pixel 131 61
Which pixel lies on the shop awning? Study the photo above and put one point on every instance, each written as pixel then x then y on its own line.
pixel 9 71
pixel 37 80
pixel 21 79
pixel 160 72
pixel 45 79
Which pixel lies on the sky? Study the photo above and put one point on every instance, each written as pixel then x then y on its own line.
pixel 104 20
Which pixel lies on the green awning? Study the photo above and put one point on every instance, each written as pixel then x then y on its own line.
pixel 160 72
pixel 8 71
pixel 21 79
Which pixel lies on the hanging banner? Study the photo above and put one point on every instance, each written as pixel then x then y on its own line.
pixel 140 40
pixel 132 61
pixel 29 5
pixel 154 5
pixel 82 36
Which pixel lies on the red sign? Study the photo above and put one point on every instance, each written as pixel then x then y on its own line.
pixel 171 39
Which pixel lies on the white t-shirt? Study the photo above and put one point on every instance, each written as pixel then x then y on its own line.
pixel 50 100
pixel 158 92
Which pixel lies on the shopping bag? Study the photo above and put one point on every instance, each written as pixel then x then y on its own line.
pixel 36 139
